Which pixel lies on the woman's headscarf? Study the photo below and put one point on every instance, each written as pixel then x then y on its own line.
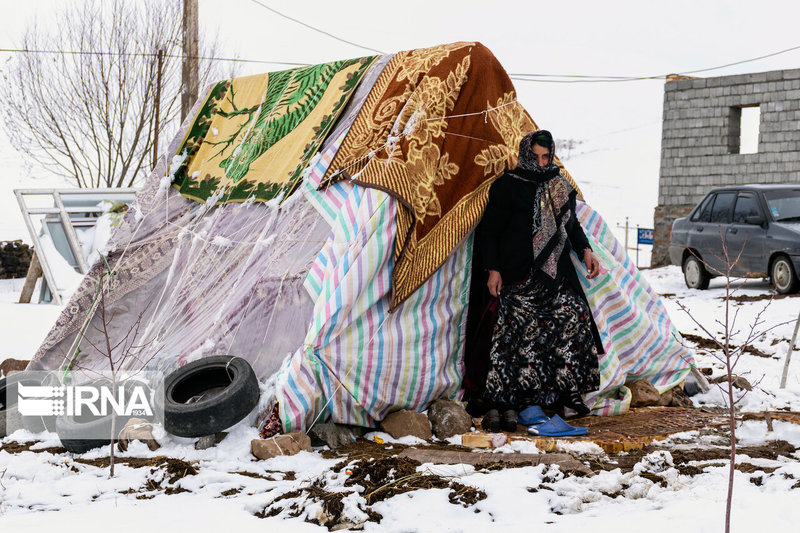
pixel 549 209
pixel 527 159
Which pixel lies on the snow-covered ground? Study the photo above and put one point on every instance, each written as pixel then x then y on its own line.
pixel 42 490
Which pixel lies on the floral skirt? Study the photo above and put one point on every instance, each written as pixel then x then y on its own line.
pixel 542 346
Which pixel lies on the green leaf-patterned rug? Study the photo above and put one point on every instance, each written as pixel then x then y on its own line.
pixel 255 135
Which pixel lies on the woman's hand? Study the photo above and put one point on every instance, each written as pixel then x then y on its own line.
pixel 495 283
pixel 592 264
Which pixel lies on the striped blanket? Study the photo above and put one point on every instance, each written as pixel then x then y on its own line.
pixel 639 339
pixel 359 361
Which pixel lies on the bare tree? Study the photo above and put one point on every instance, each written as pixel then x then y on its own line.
pixel 83 104
pixel 731 354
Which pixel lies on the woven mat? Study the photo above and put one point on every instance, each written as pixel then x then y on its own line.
pixel 632 430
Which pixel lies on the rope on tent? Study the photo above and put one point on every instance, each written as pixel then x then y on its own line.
pixel 393 138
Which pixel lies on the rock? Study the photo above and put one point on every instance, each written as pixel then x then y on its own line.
pixel 448 418
pixel 332 435
pixel 12 365
pixel 288 444
pixel 404 423
pixel 137 429
pixel 680 398
pixel 738 381
pixel 741 383
pixel 665 398
pixel 644 394
pixel 208 441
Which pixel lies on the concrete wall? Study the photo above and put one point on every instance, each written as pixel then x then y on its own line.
pixel 700 130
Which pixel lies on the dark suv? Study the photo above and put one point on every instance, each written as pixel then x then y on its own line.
pixel 761 221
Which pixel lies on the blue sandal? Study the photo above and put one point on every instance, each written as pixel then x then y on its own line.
pixel 532 416
pixel 556 427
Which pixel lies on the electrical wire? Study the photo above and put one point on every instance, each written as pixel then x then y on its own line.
pixel 519 76
pixel 579 78
pixel 148 54
pixel 317 29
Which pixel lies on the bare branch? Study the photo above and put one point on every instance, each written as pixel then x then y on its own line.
pixel 88 117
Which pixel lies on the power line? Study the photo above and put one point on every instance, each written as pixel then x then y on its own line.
pixel 147 54
pixel 532 77
pixel 317 29
pixel 579 78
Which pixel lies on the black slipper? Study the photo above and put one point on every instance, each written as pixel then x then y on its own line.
pixel 508 422
pixel 491 421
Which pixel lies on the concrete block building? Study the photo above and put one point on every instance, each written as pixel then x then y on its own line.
pixel 726 130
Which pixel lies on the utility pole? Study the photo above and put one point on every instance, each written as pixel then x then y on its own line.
pixel 189 87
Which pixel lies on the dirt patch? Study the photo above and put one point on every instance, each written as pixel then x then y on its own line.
pixel 771 450
pixel 378 478
pixel 498 465
pixel 387 477
pixel 683 457
pixel 758 297
pixel 176 468
pixel 230 492
pixel 748 468
pixel 709 344
pixel 19 447
pixel 284 476
pixel 332 507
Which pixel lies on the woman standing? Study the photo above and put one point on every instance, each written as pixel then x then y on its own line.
pixel 545 343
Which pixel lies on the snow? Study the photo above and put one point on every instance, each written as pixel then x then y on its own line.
pixel 41 489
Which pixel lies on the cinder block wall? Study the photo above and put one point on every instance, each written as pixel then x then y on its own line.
pixel 701 127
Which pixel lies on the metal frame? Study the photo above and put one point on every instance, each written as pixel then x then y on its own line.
pixel 63 214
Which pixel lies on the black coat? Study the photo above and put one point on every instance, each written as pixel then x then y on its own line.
pixel 505 236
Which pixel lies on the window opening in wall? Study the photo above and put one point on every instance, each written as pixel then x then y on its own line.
pixel 743 129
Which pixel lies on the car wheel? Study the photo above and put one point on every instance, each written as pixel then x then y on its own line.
pixel 695 274
pixel 783 276
pixel 209 395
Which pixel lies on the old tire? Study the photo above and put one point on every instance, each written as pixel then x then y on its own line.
pixel 695 274
pixel 209 395
pixel 8 398
pixel 782 275
pixel 72 431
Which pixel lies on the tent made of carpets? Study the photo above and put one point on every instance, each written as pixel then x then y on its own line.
pixel 319 223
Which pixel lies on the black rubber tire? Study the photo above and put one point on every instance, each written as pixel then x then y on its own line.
pixel 782 275
pixel 213 413
pixel 72 432
pixel 9 398
pixel 695 274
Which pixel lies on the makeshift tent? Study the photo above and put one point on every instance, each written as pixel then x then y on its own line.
pixel 319 223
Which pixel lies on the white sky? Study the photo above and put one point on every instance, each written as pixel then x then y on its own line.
pixel 620 123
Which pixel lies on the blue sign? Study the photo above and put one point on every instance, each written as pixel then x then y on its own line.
pixel 645 236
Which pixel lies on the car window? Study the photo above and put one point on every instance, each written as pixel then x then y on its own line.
pixel 784 205
pixel 746 206
pixel 703 213
pixel 721 212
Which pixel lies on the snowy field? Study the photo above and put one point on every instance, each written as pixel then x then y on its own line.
pixel 42 489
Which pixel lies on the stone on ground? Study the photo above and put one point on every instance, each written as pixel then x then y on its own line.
pixel 288 444
pixel 407 423
pixel 330 434
pixel 643 394
pixel 448 418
